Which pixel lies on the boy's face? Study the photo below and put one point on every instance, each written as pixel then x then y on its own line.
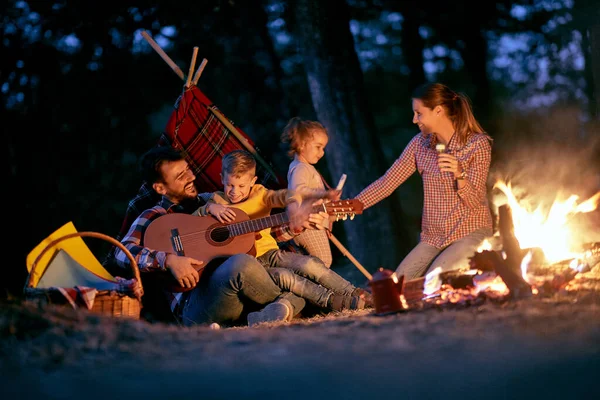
pixel 237 187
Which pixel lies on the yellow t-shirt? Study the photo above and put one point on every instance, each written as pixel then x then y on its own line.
pixel 259 204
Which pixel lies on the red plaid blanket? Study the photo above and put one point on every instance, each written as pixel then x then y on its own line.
pixel 195 128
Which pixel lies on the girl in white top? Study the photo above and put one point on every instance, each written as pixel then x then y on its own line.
pixel 307 141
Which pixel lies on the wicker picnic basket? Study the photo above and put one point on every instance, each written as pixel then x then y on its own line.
pixel 108 302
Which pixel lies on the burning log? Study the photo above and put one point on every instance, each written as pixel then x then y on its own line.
pixel 509 268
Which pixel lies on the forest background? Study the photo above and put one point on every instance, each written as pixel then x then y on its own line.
pixel 83 96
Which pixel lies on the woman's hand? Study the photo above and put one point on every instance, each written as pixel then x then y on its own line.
pixel 449 163
pixel 221 212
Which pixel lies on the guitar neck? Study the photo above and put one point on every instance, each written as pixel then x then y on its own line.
pixel 255 225
pixel 337 208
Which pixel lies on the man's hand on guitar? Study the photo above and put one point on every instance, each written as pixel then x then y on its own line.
pixel 184 270
pixel 222 213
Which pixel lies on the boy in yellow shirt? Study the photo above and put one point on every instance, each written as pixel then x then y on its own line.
pixel 322 286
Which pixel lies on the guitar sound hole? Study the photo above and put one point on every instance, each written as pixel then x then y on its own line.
pixel 220 234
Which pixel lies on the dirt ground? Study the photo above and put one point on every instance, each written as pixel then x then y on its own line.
pixel 538 348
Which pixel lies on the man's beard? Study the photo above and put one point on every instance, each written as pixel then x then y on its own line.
pixel 184 196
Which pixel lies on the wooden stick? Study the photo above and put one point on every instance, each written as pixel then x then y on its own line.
pixel 199 71
pixel 188 82
pixel 242 139
pixel 350 257
pixel 164 55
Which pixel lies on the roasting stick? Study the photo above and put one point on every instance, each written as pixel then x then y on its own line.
pixel 164 55
pixel 339 245
pixel 188 81
pixel 199 72
pixel 242 139
pixel 345 252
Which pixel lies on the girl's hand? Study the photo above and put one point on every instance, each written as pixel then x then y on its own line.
pixel 221 212
pixel 448 163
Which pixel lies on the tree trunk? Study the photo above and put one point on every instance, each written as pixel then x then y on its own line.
pixel 336 85
pixel 586 15
pixel 594 37
pixel 412 46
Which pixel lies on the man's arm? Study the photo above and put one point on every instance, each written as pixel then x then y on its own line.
pixel 146 259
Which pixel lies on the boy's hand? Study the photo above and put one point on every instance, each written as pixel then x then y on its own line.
pixel 318 196
pixel 301 218
pixel 333 194
pixel 298 215
pixel 222 213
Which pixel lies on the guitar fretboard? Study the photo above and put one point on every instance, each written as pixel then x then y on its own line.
pixel 340 207
pixel 255 225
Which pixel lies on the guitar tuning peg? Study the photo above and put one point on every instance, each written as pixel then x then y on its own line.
pixel 352 216
pixel 345 217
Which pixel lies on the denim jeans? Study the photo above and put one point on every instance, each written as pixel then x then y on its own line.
pixel 308 267
pixel 289 281
pixel 222 297
pixel 454 256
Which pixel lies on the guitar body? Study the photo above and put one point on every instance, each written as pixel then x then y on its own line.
pixel 202 238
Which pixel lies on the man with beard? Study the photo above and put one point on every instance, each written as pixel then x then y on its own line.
pixel 227 293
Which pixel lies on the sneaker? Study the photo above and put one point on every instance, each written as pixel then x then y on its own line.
pixel 339 302
pixel 274 312
pixel 366 296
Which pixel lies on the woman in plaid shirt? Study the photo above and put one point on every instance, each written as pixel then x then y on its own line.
pixel 452 153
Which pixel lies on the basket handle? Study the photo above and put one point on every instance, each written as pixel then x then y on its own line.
pixel 134 266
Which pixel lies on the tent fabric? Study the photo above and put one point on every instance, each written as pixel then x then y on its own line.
pixel 76 249
pixel 194 128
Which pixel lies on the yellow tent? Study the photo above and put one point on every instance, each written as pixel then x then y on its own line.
pixel 69 261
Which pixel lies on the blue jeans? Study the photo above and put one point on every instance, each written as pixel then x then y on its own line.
pixel 289 281
pixel 454 256
pixel 223 297
pixel 308 267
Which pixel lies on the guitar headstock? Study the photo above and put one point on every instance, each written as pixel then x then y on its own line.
pixel 342 209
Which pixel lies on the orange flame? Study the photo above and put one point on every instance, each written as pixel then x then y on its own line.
pixel 548 230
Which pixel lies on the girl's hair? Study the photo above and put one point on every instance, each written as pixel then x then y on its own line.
pixel 457 106
pixel 297 132
pixel 237 163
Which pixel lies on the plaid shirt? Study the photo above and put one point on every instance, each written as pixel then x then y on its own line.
pixel 152 260
pixel 449 213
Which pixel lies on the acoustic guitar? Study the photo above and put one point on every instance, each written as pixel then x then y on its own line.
pixel 206 239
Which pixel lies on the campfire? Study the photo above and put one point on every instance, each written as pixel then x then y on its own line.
pixel 536 251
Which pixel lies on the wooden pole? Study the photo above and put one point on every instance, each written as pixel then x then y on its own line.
pixel 188 81
pixel 350 257
pixel 242 139
pixel 164 55
pixel 199 72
